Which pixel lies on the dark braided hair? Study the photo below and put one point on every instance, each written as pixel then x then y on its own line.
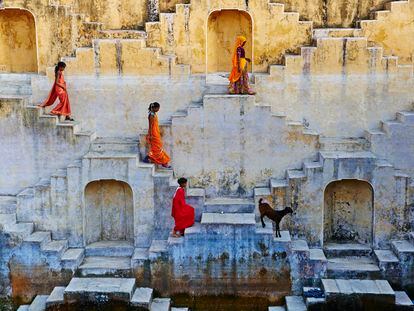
pixel 153 105
pixel 59 64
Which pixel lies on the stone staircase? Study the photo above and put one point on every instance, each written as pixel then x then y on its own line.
pixel 392 140
pixel 99 290
pixel 343 294
pixel 351 261
pixel 157 44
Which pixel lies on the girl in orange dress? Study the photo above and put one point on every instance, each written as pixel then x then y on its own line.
pixel 156 154
pixel 239 77
pixel 59 90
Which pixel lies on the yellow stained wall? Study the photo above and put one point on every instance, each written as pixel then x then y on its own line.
pixel 115 14
pixel 333 13
pixel 17 41
pixel 223 28
pixel 394 31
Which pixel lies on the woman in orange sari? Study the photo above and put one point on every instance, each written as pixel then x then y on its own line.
pixel 239 77
pixel 59 90
pixel 156 154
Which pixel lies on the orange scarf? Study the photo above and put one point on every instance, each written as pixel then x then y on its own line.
pixel 235 74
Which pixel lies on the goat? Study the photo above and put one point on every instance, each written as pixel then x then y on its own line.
pixel 266 210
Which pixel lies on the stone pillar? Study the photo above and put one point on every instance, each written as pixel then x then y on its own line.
pixel 153 10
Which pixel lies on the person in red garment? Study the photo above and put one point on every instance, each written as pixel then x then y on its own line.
pixel 182 213
pixel 59 91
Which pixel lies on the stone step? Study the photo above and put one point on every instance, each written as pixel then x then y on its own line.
pixel 334 33
pixel 295 303
pixel 21 230
pixel 8 204
pixel 39 303
pixel 106 266
pixel 115 144
pixel 158 248
pixel 317 254
pixel 142 297
pixel 229 205
pixel 226 219
pixel 403 249
pixel 343 144
pixel 161 304
pixel 353 267
pixel 7 219
pixel 122 34
pixel 99 289
pixel 402 300
pixel 405 116
pixel 301 246
pixel 179 309
pixel 380 288
pixel 277 308
pixel 346 249
pixel 363 155
pixel 55 248
pixel 110 249
pixel 140 256
pixel 72 258
pixel 39 238
pixel 23 308
pixel 388 262
pixel 56 297
pixel 313 303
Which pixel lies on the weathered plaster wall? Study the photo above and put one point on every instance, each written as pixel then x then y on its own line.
pixel 56 31
pixel 109 211
pixel 274 32
pixel 33 147
pixel 392 31
pixel 229 145
pixel 114 14
pixel 18 48
pixel 337 105
pixel 391 218
pixel 185 33
pixel 333 13
pixel 348 211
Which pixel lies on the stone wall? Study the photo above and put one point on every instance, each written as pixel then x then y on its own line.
pixel 348 211
pixel 334 13
pixel 40 146
pixel 17 41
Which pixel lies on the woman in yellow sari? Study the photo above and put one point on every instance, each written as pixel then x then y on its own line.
pixel 239 77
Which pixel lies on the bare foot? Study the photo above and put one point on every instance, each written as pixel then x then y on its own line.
pixel 176 235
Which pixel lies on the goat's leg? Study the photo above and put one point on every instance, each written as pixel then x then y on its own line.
pixel 263 223
pixel 278 230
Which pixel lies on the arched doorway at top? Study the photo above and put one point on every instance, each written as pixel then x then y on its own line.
pixel 223 27
pixel 18 44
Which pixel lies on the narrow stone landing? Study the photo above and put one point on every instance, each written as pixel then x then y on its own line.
pixel 229 205
pixel 100 289
pixel 103 265
pixel 351 261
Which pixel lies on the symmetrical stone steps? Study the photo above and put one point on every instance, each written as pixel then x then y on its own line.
pixel 392 140
pixel 96 290
pixel 337 289
pixel 157 35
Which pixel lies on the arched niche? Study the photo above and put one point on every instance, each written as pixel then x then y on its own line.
pixel 109 213
pixel 348 211
pixel 223 27
pixel 18 47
